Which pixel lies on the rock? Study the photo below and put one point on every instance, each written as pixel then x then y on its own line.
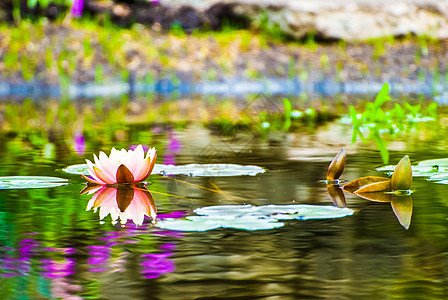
pixel 338 19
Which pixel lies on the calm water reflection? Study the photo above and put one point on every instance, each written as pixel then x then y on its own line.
pixel 52 247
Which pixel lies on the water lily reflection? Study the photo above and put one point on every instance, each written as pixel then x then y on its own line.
pixel 122 202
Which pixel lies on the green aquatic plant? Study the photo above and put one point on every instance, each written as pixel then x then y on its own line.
pixel 376 121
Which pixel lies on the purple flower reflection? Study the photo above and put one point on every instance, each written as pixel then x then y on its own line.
pixel 173 144
pixel 55 269
pixel 77 7
pixel 174 215
pixel 66 251
pixel 173 148
pixel 154 265
pixel 169 159
pixel 79 144
pixel 99 256
pixel 26 247
pixel 19 267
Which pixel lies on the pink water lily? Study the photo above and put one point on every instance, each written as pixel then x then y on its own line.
pixel 123 167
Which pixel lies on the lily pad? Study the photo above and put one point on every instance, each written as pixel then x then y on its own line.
pixel 80 169
pixel 30 182
pixel 434 169
pixel 250 217
pixel 208 170
pixel 205 223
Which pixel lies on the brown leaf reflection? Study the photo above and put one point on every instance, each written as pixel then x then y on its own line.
pixel 127 202
pixel 375 196
pixel 401 205
pixel 336 195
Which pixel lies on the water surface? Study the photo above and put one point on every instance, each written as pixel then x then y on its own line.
pixel 51 247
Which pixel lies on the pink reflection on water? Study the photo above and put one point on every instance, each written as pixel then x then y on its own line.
pixel 79 144
pixel 172 149
pixel 54 269
pixel 13 267
pixel 98 257
pixel 156 264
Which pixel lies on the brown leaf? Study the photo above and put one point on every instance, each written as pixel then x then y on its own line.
pixel 381 186
pixel 402 177
pixel 337 166
pixel 336 195
pixel 354 185
pixel 124 175
pixel 375 196
pixel 402 207
pixel 124 197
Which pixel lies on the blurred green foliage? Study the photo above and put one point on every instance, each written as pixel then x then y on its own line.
pixel 375 120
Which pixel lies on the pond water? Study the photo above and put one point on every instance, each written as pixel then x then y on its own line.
pixel 54 244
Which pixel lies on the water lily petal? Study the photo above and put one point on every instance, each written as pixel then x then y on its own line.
pixel 104 167
pixel 124 175
pixel 134 160
pixel 92 173
pixel 152 158
pixel 108 166
pixel 141 174
pixel 133 165
pixel 91 180
pixel 402 176
pixel 102 176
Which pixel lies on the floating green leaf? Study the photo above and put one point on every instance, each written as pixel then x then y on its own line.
pixel 30 182
pixel 80 169
pixel 250 217
pixel 208 170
